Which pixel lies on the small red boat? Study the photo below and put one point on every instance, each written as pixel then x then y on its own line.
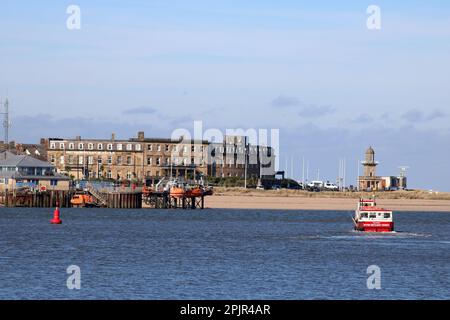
pixel 370 218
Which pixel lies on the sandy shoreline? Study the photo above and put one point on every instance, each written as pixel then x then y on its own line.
pixel 319 203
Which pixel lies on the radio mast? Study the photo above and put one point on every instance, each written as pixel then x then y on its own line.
pixel 6 124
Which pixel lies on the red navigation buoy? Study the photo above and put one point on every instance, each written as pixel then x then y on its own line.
pixel 56 219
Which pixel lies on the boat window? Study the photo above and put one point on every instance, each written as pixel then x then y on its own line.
pixel 373 215
pixel 364 215
pixel 387 215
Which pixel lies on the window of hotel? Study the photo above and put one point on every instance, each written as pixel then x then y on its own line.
pixel 129 160
pixel 109 174
pixel 100 146
pixel 185 161
pixel 138 147
pixel 61 160
pixel 52 145
pixel 61 146
pixel 167 161
pixel 149 161
pixel 70 159
pixel 80 146
pixel 119 160
pixel 175 148
pixel 91 160
pixel 158 148
pixel 158 161
pixel 109 159
pixel 175 161
pixel 52 159
pixel 119 146
pixel 129 147
pixel 184 149
pixel 90 146
pixel 71 146
pixel 149 147
pixel 167 147
pixel 99 160
pixel 128 175
pixel 193 149
pixel 80 159
pixel 110 146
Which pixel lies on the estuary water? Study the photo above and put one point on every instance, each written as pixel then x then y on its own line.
pixel 220 254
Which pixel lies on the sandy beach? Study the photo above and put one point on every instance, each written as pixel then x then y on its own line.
pixel 270 201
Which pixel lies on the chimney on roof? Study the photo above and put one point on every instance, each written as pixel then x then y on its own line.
pixel 113 136
pixel 78 138
pixel 141 135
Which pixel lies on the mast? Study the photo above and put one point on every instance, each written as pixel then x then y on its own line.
pixel 6 124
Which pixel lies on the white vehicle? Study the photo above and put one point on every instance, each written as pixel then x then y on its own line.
pixel 331 186
pixel 315 184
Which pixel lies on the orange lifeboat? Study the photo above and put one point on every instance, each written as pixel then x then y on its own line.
pixel 177 192
pixel 196 192
pixel 82 200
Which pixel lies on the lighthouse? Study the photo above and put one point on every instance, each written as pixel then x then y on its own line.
pixel 370 181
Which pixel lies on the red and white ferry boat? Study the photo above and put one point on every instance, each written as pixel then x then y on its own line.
pixel 370 218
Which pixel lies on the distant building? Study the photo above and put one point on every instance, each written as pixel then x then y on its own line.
pixel 371 182
pixel 23 171
pixel 228 159
pixel 135 159
pixel 142 158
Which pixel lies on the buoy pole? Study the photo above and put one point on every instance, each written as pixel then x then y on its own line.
pixel 56 216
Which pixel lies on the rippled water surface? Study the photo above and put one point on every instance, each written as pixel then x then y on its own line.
pixel 220 254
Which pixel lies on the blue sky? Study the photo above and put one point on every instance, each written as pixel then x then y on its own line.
pixel 310 68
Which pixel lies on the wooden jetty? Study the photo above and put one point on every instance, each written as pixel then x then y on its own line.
pixel 45 199
pixel 106 198
pixel 113 200
pixel 163 200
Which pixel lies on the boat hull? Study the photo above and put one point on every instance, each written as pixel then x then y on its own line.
pixel 176 192
pixel 374 226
